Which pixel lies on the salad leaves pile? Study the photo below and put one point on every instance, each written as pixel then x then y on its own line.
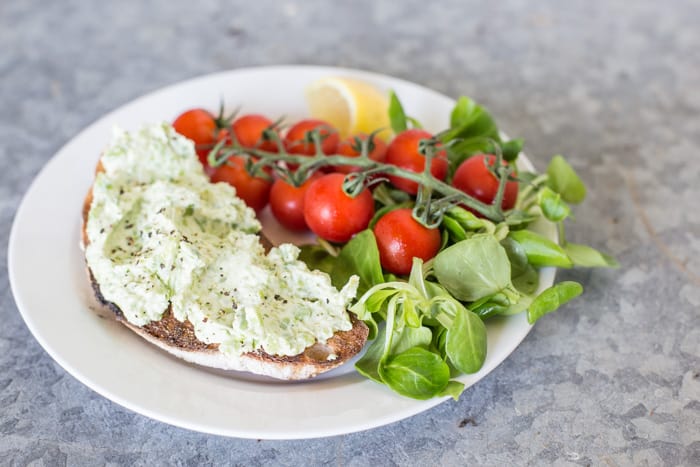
pixel 429 327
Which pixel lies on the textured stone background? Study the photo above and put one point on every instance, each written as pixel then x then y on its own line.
pixel 613 379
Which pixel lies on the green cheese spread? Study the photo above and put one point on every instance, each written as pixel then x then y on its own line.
pixel 160 234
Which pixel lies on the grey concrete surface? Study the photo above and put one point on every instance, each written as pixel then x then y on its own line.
pixel 612 379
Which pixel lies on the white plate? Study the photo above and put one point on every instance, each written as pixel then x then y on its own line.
pixel 47 275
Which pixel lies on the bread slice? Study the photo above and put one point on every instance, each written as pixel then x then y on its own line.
pixel 178 338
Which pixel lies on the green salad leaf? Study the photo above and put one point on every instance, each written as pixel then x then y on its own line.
pixel 317 257
pixel 588 257
pixel 495 305
pixel 416 373
pixel 524 276
pixel 412 337
pixel 466 341
pixel 552 298
pixel 453 389
pixel 552 206
pixel 563 179
pixel 359 256
pixel 473 268
pixel 397 116
pixel 511 149
pixel 368 365
pixel 540 250
pixel 470 120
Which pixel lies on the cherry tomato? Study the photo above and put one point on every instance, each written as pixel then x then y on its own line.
pixel 403 152
pixel 347 148
pixel 255 191
pixel 249 131
pixel 199 125
pixel 400 238
pixel 287 203
pixel 474 178
pixel 333 215
pixel 294 141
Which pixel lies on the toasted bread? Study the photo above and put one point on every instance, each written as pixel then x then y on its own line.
pixel 178 338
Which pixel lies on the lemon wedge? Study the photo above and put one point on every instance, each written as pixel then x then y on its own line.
pixel 350 105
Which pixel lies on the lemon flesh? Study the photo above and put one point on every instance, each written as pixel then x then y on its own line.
pixel 350 105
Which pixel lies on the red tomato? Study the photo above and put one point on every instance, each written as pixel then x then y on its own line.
pixel 347 148
pixel 400 238
pixel 403 152
pixel 249 131
pixel 473 177
pixel 294 141
pixel 255 191
pixel 287 203
pixel 333 215
pixel 199 125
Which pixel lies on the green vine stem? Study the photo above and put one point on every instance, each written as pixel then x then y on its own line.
pixel 428 210
pixel 525 197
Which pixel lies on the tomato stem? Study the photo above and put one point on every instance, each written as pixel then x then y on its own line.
pixel 428 210
pixel 502 174
pixel 222 120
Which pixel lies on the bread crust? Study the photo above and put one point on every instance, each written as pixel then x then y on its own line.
pixel 178 337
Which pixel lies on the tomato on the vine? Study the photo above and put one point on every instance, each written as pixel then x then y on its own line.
pixel 200 126
pixel 333 215
pixel 287 202
pixel 400 238
pixel 348 147
pixel 255 191
pixel 403 152
pixel 248 130
pixel 296 143
pixel 474 178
